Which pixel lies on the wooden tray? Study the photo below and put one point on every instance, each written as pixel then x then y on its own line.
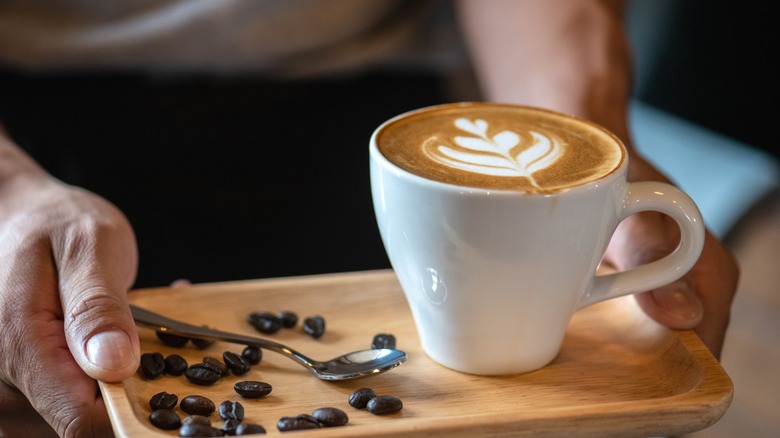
pixel 618 373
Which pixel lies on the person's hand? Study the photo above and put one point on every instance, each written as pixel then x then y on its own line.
pixel 574 57
pixel 67 259
pixel 701 300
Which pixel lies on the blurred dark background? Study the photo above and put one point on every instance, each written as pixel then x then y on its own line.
pixel 222 178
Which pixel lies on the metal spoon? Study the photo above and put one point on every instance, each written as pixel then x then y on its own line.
pixel 349 366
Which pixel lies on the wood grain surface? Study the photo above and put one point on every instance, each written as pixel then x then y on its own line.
pixel 618 372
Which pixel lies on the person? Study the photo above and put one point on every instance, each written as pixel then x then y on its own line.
pixel 68 256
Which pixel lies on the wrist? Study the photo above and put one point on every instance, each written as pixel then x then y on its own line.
pixel 17 169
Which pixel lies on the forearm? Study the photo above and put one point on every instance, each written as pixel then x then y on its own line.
pixel 570 56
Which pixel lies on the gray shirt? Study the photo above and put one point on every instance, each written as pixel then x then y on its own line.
pixel 274 38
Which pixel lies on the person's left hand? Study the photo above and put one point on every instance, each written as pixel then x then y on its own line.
pixel 68 259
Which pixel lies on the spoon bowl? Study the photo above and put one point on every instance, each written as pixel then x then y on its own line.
pixel 361 363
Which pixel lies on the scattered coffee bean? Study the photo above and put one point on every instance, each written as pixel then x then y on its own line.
pixel 330 417
pixel 196 419
pixel 199 430
pixel 165 419
pixel 384 404
pixel 300 422
pixel 249 429
pixel 231 410
pixel 288 318
pixel 197 405
pixel 175 365
pixel 253 355
pixel 229 426
pixel 314 326
pixel 216 365
pixel 201 375
pixel 383 340
pixel 360 397
pixel 252 389
pixel 308 417
pixel 237 364
pixel 163 400
pixel 152 365
pixel 172 340
pixel 265 322
pixel 201 344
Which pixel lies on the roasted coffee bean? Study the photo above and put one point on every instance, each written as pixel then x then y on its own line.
pixel 201 375
pixel 300 422
pixel 330 417
pixel 314 326
pixel 384 404
pixel 197 405
pixel 152 365
pixel 383 340
pixel 175 365
pixel 172 340
pixel 360 397
pixel 165 419
pixel 253 355
pixel 163 400
pixel 229 409
pixel 265 322
pixel 216 365
pixel 196 419
pixel 252 389
pixel 237 364
pixel 199 430
pixel 201 344
pixel 229 426
pixel 288 318
pixel 249 429
pixel 308 417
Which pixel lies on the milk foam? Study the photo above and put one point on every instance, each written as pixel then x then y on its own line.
pixel 502 155
pixel 496 146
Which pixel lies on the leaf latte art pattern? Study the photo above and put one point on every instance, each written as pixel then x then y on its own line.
pixel 501 155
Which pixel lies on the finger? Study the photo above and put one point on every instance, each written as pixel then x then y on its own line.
pixel 647 237
pixel 716 276
pixel 98 259
pixel 676 305
pixel 181 282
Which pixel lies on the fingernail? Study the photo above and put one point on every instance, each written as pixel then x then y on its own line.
pixel 679 301
pixel 111 350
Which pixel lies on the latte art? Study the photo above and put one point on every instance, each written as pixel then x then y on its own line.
pixel 502 155
pixel 495 146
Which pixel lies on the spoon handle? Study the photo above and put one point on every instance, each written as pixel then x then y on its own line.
pixel 158 322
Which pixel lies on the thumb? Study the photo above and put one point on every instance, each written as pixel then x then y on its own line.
pixel 646 237
pixel 97 266
pixel 100 333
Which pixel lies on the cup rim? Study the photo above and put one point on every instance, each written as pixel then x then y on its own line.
pixel 377 156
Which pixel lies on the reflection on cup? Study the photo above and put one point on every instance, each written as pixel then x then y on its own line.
pixel 434 286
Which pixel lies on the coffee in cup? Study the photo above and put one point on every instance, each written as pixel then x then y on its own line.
pixel 495 219
pixel 500 147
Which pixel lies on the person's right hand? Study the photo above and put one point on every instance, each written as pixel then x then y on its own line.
pixel 67 259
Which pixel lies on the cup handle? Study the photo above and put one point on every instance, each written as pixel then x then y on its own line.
pixel 667 199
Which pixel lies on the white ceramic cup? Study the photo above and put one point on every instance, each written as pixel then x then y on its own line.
pixel 493 277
